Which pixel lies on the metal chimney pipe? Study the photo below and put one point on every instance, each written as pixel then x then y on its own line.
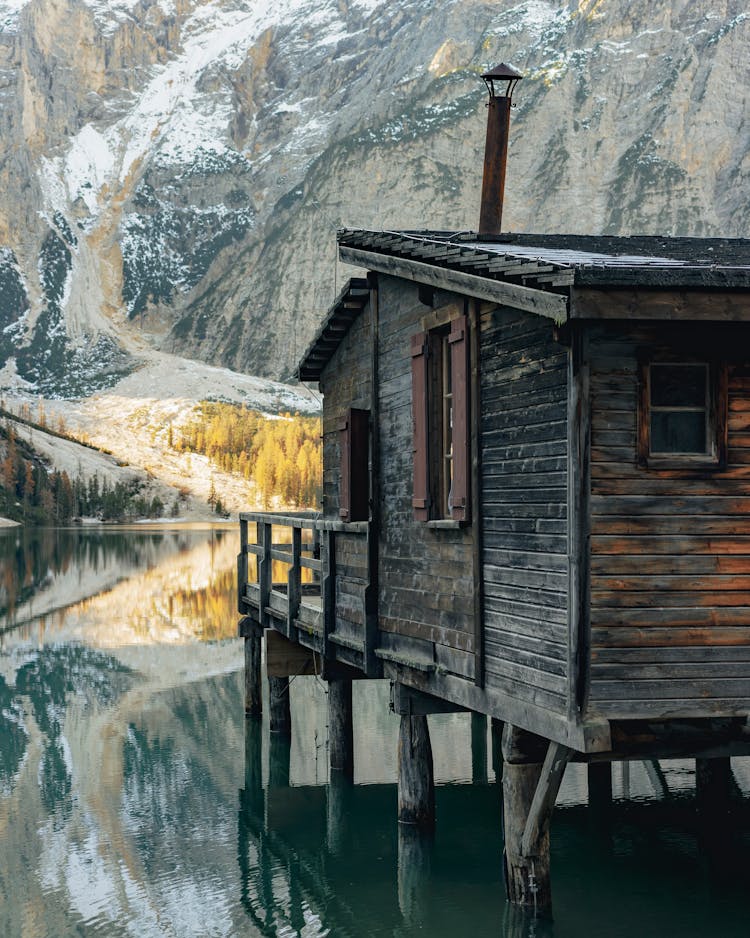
pixel 496 147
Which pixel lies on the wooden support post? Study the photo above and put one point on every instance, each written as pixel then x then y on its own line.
pixel 416 787
pixel 529 792
pixel 600 786
pixel 265 540
pixel 279 710
pixel 340 727
pixel 338 814
pixel 294 582
pixel 242 568
pixel 253 700
pixel 478 747
pixel 497 748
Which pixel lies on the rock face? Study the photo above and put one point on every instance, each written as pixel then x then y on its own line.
pixel 172 173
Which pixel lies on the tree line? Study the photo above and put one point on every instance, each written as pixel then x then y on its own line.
pixel 281 455
pixel 32 494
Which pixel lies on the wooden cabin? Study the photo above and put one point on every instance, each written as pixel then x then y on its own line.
pixel 536 485
pixel 536 500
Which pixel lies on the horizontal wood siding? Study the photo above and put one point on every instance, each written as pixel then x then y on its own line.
pixel 670 549
pixel 524 505
pixel 426 583
pixel 346 383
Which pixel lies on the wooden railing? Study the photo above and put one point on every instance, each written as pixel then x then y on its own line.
pixel 311 581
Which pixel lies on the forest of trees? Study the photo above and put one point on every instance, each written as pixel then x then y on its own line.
pixel 283 455
pixel 32 494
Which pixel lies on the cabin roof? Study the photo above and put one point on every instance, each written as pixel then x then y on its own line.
pixel 549 261
pixel 532 272
pixel 346 307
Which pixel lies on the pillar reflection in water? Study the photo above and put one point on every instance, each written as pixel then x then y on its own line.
pixel 414 865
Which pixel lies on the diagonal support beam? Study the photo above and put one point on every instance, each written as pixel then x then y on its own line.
pixel 547 788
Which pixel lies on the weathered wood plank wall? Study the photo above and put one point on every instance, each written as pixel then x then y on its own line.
pixel 670 549
pixel 426 576
pixel 524 502
pixel 345 384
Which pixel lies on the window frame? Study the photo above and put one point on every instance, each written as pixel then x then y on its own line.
pixel 440 355
pixel 716 414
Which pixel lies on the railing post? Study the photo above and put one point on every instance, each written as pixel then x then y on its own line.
pixel 265 540
pixel 242 568
pixel 294 581
pixel 328 591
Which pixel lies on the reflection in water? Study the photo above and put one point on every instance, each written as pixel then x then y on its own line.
pixel 135 799
pixel 114 586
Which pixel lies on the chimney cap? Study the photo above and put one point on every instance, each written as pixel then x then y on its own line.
pixel 502 71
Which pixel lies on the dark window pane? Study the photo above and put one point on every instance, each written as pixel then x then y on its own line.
pixel 678 385
pixel 676 432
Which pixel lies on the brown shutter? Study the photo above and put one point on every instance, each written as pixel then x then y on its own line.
pixel 345 493
pixel 459 344
pixel 359 465
pixel 354 491
pixel 420 419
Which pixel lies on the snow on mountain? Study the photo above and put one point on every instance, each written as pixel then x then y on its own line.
pixel 174 170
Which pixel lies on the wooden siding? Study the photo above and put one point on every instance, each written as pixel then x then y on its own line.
pixel 346 383
pixel 426 593
pixel 524 378
pixel 670 549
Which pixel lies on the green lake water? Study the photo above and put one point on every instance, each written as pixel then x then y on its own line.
pixel 135 799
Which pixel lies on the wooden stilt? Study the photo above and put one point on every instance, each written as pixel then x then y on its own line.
pixel 600 786
pixel 340 727
pixel 337 813
pixel 416 787
pixel 478 747
pixel 529 792
pixel 279 710
pixel 253 703
pixel 497 748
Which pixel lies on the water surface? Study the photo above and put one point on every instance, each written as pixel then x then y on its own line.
pixel 135 799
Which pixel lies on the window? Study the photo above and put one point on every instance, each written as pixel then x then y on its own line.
pixel 440 399
pixel 683 413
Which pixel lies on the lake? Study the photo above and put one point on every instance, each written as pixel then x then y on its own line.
pixel 135 799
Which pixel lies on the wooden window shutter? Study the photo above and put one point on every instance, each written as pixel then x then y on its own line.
pixel 460 489
pixel 420 421
pixel 354 491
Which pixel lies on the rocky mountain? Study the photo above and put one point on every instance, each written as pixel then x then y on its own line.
pixel 172 172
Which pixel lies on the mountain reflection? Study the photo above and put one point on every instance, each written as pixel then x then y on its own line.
pixel 174 584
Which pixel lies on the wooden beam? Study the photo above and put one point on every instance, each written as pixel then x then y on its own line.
pixel 553 769
pixel 410 702
pixel 589 735
pixel 550 305
pixel 285 658
pixel 579 523
pixel 660 304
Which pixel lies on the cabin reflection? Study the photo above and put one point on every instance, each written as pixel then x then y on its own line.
pixel 327 859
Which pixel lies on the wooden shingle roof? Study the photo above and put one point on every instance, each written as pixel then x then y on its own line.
pixel 546 262
pixel 348 305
